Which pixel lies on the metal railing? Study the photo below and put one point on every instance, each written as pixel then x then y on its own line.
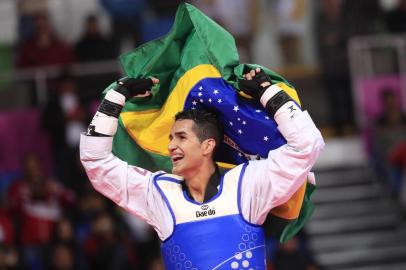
pixel 363 65
pixel 40 76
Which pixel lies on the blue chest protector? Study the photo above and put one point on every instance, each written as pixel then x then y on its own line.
pixel 213 235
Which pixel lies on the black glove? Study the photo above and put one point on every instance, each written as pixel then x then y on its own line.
pixel 253 87
pixel 130 87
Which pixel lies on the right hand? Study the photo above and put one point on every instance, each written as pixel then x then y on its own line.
pixel 130 87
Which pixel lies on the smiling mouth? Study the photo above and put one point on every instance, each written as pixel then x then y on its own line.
pixel 176 159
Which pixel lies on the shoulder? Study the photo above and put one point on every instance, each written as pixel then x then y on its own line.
pixel 235 174
pixel 237 169
pixel 168 185
pixel 167 181
pixel 161 175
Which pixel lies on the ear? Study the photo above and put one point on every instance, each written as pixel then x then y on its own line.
pixel 208 146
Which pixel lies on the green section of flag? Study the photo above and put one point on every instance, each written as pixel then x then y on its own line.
pixel 306 211
pixel 126 149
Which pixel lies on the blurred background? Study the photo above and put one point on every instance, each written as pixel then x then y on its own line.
pixel 346 58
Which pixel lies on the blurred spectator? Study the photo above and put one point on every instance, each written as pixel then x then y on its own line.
pixel 362 17
pixel 93 46
pixel 157 264
pixel 64 119
pixel 289 255
pixel 37 203
pixel 391 115
pixel 389 130
pixel 395 19
pixel 164 8
pixel 105 249
pixel 158 19
pixel 27 10
pixel 398 155
pixel 9 259
pixel 332 49
pixel 44 48
pixel 64 233
pixel 62 258
pixel 6 229
pixel 125 17
pixel 290 18
pixel 89 205
pixel 70 249
pixel 239 17
pixel 145 238
pixel 398 161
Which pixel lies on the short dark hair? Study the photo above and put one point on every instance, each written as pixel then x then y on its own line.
pixel 206 125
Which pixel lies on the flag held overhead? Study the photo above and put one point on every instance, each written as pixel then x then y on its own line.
pixel 197 65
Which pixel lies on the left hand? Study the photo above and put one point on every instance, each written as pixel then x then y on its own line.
pixel 255 83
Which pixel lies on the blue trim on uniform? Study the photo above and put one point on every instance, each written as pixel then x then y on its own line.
pixel 244 166
pixel 169 237
pixel 166 201
pixel 158 175
pixel 211 199
pixel 166 178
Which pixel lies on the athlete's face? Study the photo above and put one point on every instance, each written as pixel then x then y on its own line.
pixel 186 150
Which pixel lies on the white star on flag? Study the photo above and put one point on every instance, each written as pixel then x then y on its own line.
pixel 243 122
pixel 240 131
pixel 210 100
pixel 219 100
pixel 266 117
pixel 215 91
pixel 266 138
pixel 238 119
pixel 200 94
pixel 236 108
pixel 231 123
pixel 193 108
pixel 201 100
pixel 257 110
pixel 194 102
pixel 239 154
pixel 201 88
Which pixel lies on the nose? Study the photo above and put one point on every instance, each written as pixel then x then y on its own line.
pixel 172 146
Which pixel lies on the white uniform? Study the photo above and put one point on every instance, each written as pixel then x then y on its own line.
pixel 265 185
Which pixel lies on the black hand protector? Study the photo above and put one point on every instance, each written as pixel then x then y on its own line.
pixel 130 87
pixel 253 87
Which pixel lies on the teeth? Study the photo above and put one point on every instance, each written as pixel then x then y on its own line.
pixel 176 158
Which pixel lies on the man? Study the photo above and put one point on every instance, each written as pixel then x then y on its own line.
pixel 205 220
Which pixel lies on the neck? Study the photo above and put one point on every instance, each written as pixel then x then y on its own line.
pixel 197 181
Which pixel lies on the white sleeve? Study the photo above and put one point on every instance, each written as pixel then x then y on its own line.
pixel 128 186
pixel 271 182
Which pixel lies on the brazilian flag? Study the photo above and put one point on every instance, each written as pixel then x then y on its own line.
pixel 197 65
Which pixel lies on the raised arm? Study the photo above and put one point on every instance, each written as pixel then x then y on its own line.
pixel 271 182
pixel 128 186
